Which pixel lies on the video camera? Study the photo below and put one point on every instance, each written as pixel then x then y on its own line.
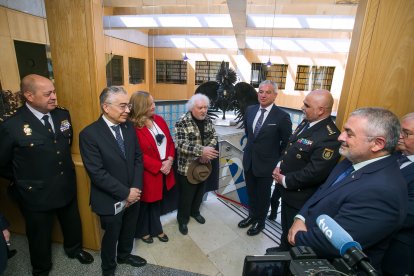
pixel 299 261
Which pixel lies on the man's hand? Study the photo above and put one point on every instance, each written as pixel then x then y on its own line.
pixel 298 225
pixel 209 153
pixel 134 195
pixel 277 176
pixel 6 235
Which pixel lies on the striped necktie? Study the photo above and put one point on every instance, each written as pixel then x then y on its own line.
pixel 259 122
pixel 118 138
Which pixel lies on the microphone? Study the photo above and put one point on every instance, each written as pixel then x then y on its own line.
pixel 349 249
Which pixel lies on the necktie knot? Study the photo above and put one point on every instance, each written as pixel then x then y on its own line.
pixel 45 119
pixel 402 159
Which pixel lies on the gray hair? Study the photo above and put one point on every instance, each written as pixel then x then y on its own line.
pixel 381 122
pixel 409 116
pixel 197 98
pixel 267 82
pixel 108 92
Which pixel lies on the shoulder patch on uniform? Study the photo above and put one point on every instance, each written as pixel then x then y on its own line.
pixel 61 107
pixel 327 153
pixel 330 130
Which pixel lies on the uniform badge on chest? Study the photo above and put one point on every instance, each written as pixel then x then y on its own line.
pixel 64 125
pixel 27 130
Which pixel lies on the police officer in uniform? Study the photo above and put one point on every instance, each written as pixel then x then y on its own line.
pixel 35 143
pixel 311 154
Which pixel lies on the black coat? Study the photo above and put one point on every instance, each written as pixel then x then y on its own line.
pixel 262 152
pixel 308 160
pixel 112 175
pixel 37 161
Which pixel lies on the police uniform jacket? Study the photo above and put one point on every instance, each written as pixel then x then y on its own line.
pixel 307 161
pixel 42 168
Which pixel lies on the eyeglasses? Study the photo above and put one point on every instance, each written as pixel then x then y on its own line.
pixel 123 107
pixel 405 134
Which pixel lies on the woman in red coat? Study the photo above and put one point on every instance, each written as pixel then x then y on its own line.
pixel 158 151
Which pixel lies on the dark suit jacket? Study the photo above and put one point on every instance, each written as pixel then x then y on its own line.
pixel 262 153
pixel 41 162
pixel 308 160
pixel 112 175
pixel 3 246
pixel 369 204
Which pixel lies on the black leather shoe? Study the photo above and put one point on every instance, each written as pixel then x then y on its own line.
pixel 132 260
pixel 255 229
pixel 147 240
pixel 200 219
pixel 272 216
pixel 183 228
pixel 83 257
pixel 245 223
pixel 163 238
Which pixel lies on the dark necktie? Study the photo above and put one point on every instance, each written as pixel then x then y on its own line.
pixel 402 159
pixel 344 174
pixel 118 138
pixel 259 122
pixel 45 118
pixel 305 127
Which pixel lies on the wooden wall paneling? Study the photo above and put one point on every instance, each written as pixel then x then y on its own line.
pixel 381 61
pixel 9 71
pixel 27 27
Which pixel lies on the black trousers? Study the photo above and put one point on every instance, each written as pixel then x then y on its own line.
pixel 287 218
pixel 274 200
pixel 191 196
pixel 149 222
pixel 258 191
pixel 118 238
pixel 39 234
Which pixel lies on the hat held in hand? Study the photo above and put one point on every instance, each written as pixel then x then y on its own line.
pixel 198 172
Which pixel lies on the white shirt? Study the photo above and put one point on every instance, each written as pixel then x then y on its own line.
pixel 162 148
pixel 40 115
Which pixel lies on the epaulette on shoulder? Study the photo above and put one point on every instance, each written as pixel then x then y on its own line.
pixel 61 107
pixel 330 130
pixel 10 114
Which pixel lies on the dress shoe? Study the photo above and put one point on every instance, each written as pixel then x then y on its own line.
pixel 148 239
pixel 183 228
pixel 272 216
pixel 246 222
pixel 163 238
pixel 200 219
pixel 132 260
pixel 255 229
pixel 83 257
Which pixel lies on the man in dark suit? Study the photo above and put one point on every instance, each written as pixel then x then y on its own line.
pixel 35 142
pixel 267 129
pixel 312 153
pixel 399 258
pixel 113 160
pixel 365 194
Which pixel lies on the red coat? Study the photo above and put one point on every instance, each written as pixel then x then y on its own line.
pixel 152 181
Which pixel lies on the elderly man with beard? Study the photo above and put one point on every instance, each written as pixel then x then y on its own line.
pixel 365 194
pixel 196 139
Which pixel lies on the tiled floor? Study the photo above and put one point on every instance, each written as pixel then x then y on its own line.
pixel 217 247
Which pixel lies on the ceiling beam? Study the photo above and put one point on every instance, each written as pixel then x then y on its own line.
pixel 237 11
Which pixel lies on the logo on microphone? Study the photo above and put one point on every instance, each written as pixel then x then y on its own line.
pixel 325 229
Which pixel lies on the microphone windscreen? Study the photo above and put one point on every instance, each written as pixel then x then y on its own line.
pixel 336 235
